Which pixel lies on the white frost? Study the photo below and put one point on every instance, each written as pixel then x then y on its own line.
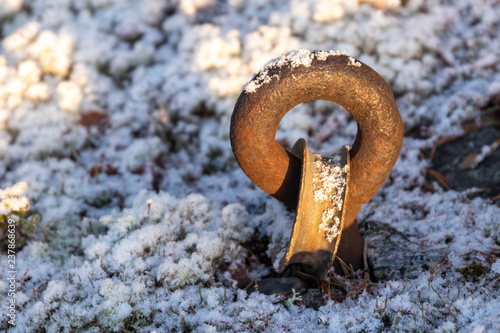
pixel 330 224
pixel 329 185
pixel 331 180
pixel 295 58
pixel 354 62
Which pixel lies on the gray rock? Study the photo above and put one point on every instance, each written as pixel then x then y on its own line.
pixel 313 297
pixel 278 285
pixel 392 256
pixel 485 177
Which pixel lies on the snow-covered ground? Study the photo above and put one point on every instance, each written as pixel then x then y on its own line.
pixel 114 114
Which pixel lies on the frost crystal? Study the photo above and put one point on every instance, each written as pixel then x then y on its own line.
pixel 330 224
pixel 331 179
pixel 354 62
pixel 295 58
pixel 329 185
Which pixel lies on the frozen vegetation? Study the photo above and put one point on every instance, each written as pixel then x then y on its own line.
pixel 114 121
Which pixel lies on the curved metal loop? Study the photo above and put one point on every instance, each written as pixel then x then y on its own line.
pixel 288 82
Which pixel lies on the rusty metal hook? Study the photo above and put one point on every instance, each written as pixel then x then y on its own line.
pixel 302 76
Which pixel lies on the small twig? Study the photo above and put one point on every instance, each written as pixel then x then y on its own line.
pixel 23 278
pixel 41 285
pixel 91 281
pixel 212 279
pixel 466 218
pixel 480 64
pixel 434 266
pixel 358 288
pixel 249 285
pixel 326 289
pixel 428 187
pixel 432 153
pixel 441 179
pixel 496 197
pixel 311 277
pixel 284 293
pixel 444 139
pixel 98 326
pixel 344 266
pixel 353 272
pixel 252 254
pixel 439 271
pixel 487 255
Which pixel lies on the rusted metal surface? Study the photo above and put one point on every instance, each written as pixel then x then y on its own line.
pixel 317 230
pixel 361 91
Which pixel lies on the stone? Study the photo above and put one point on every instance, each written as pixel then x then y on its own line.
pixel 279 285
pixel 391 256
pixel 313 297
pixel 485 177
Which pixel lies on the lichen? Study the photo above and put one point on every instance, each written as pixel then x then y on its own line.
pixel 472 271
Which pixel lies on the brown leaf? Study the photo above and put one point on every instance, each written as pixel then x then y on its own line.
pixel 111 170
pixel 139 170
pixel 472 160
pixel 93 118
pixel 468 162
pixel 239 274
pixel 444 139
pixel 95 170
pixel 441 179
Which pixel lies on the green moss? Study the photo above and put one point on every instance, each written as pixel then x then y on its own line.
pixel 30 224
pixel 473 270
pixel 25 229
